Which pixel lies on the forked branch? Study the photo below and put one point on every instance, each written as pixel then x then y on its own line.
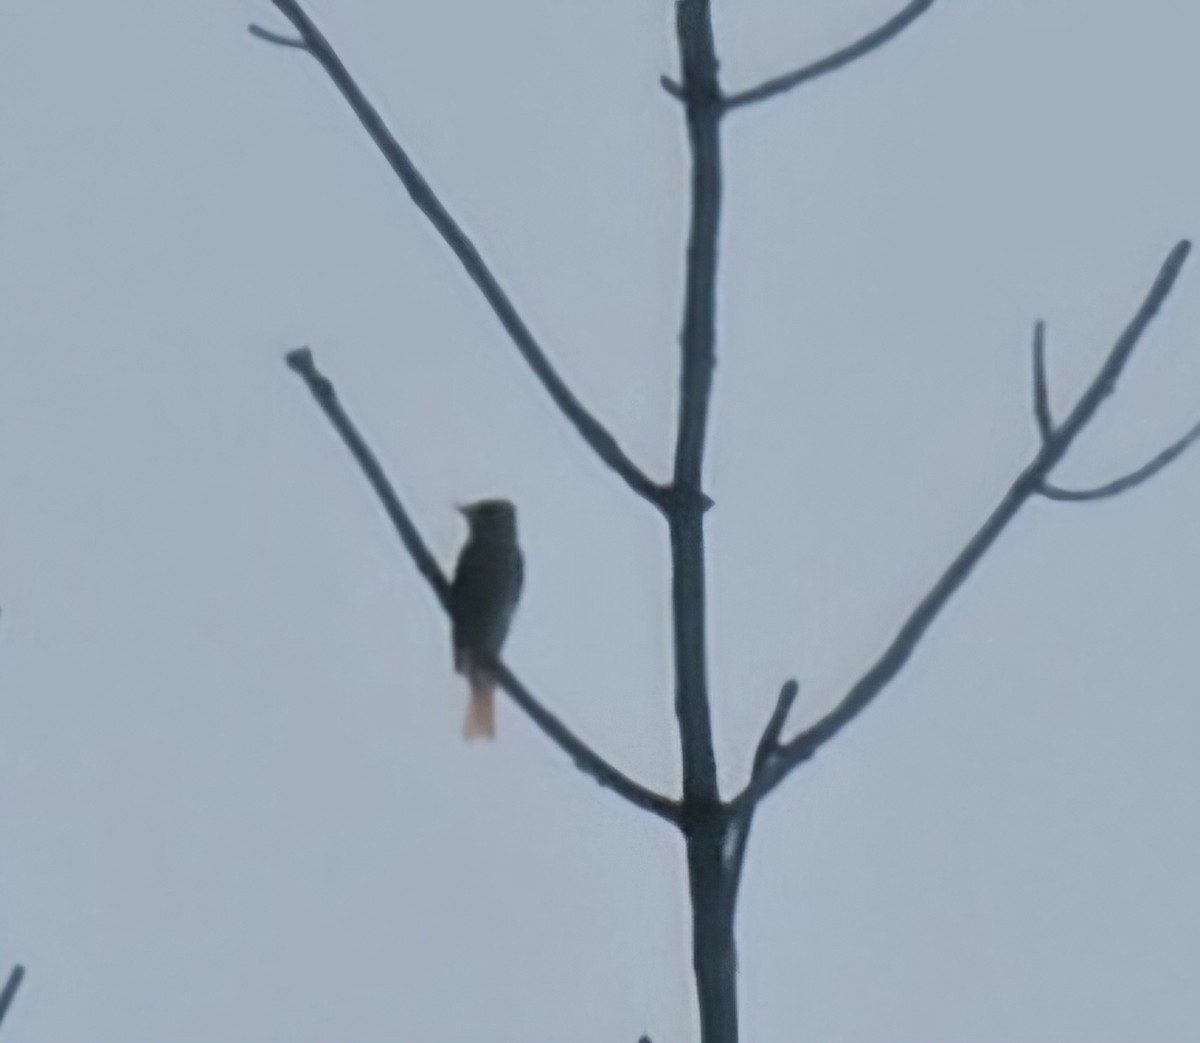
pixel 850 53
pixel 1030 482
pixel 1128 481
pixel 310 39
pixel 301 362
pixel 1118 485
pixel 741 822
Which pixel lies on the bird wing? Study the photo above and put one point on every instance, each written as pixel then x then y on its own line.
pixel 487 583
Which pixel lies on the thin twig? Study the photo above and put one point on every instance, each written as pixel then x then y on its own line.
pixel 851 53
pixel 671 87
pixel 768 746
pixel 1027 484
pixel 1041 394
pixel 1106 380
pixel 301 362
pixel 9 992
pixel 769 742
pixel 1126 482
pixel 585 758
pixel 592 431
pixel 276 38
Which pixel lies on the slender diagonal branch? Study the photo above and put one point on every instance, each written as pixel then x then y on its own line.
pixel 850 53
pixel 1041 393
pixel 1106 380
pixel 1027 484
pixel 768 746
pixel 582 755
pixel 9 992
pixel 1125 482
pixel 301 362
pixel 593 432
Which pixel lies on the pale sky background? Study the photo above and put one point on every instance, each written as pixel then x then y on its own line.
pixel 234 803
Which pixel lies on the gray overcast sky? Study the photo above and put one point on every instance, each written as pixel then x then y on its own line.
pixel 234 803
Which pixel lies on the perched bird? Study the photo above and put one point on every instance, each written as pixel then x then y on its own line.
pixel 483 597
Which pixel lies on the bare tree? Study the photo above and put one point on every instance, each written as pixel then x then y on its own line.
pixel 715 829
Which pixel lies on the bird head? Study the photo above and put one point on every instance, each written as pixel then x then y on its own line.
pixel 490 517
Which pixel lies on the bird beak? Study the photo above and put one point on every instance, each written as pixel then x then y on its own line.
pixel 464 509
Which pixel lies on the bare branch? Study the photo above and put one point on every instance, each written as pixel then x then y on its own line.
pixel 740 824
pixel 851 53
pixel 1106 380
pixel 9 992
pixel 301 362
pixel 276 38
pixel 592 431
pixel 582 755
pixel 587 760
pixel 1129 481
pixel 1029 483
pixel 1041 395
pixel 769 742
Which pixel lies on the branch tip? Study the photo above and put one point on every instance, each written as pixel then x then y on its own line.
pixel 768 745
pixel 671 87
pixel 301 362
pixel 850 53
pixel 1041 392
pixel 300 359
pixel 267 36
pixel 1105 381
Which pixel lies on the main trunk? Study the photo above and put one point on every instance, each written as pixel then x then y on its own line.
pixel 714 956
pixel 704 816
pixel 703 813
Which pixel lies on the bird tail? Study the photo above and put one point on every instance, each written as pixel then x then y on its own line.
pixel 481 710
